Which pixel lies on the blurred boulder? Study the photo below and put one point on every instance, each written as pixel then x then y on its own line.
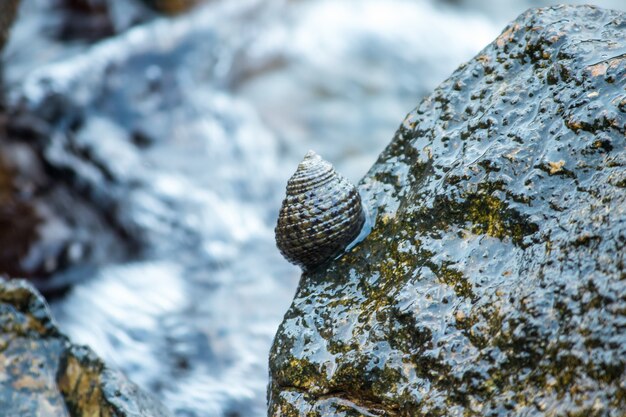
pixel 51 234
pixel 44 374
pixel 172 7
pixel 8 10
pixel 492 281
pixel 89 20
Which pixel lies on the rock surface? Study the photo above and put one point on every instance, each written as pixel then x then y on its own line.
pixel 8 10
pixel 493 280
pixel 43 374
pixel 172 7
pixel 47 227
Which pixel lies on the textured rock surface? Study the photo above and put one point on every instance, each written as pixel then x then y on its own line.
pixel 43 374
pixel 493 281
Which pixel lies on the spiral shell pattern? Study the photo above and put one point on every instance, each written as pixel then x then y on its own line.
pixel 321 214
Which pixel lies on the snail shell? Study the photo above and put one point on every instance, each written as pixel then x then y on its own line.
pixel 321 214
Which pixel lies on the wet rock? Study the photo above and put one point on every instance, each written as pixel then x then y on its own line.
pixel 44 374
pixel 51 234
pixel 172 7
pixel 492 282
pixel 82 19
pixel 65 27
pixel 116 133
pixel 8 10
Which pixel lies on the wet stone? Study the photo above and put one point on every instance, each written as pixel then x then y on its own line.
pixel 51 234
pixel 172 7
pixel 8 11
pixel 43 374
pixel 81 20
pixel 492 282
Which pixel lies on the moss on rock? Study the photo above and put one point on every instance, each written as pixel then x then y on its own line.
pixel 492 282
pixel 43 374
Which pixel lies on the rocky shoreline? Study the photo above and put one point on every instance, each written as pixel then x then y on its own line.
pixel 492 282
pixel 44 374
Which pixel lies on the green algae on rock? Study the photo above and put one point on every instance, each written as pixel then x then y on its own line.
pixel 43 374
pixel 493 281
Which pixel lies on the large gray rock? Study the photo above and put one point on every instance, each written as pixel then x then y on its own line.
pixel 43 374
pixel 493 281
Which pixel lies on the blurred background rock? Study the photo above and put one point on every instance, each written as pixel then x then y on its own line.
pixel 8 9
pixel 145 149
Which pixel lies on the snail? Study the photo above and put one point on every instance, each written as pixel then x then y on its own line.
pixel 321 214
